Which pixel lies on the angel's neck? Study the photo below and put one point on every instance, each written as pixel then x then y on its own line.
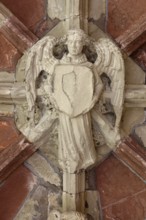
pixel 75 59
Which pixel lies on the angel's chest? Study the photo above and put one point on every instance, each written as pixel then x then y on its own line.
pixel 73 86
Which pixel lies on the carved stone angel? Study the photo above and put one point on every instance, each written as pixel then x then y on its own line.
pixel 74 87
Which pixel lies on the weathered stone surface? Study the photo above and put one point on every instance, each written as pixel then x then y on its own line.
pixel 57 9
pixel 6 110
pixel 92 204
pixel 133 73
pixel 73 13
pixel 97 13
pixel 14 191
pixel 6 77
pixel 132 117
pixel 96 9
pixel 116 182
pixel 40 166
pixel 54 200
pixel 36 207
pixel 140 132
pixel 50 149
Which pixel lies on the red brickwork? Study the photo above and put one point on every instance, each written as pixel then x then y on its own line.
pixel 122 193
pixel 14 192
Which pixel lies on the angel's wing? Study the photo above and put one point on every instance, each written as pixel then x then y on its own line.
pixel 109 61
pixel 39 58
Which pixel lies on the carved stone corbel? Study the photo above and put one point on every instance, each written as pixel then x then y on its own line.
pixel 67 89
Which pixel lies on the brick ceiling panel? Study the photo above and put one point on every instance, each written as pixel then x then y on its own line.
pixel 122 14
pixel 9 55
pixel 30 13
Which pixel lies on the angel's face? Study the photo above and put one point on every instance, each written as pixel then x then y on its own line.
pixel 75 44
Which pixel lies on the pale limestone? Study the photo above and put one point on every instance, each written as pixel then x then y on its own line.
pixel 92 199
pixel 54 201
pixel 28 211
pixel 7 110
pixel 50 149
pixel 97 9
pixel 132 117
pixel 73 13
pixel 35 207
pixel 95 32
pixel 42 168
pixel 134 74
pixel 6 77
pixel 141 133
pixel 57 9
pixel 135 96
pixel 55 215
pixel 58 30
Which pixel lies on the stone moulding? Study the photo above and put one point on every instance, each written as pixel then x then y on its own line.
pixel 74 13
pixel 133 155
pixel 16 32
pixel 14 155
pixel 134 37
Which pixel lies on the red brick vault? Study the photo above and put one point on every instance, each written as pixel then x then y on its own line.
pixel 27 185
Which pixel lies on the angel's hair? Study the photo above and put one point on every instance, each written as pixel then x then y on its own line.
pixel 75 32
pixel 80 33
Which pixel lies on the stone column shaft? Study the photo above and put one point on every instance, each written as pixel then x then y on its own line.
pixel 74 192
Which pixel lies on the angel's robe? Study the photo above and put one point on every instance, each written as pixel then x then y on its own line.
pixel 76 146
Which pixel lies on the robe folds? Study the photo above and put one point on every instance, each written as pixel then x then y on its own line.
pixel 76 147
pixel 76 88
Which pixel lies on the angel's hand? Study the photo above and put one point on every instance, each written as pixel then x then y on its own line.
pixel 94 100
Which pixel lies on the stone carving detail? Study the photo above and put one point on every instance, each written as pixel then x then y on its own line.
pixel 43 57
pixel 66 79
pixel 67 215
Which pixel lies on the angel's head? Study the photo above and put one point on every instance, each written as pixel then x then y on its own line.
pixel 76 39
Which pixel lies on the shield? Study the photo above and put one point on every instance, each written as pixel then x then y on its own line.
pixel 73 87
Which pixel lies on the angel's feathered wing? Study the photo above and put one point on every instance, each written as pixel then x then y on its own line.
pixel 110 61
pixel 40 58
